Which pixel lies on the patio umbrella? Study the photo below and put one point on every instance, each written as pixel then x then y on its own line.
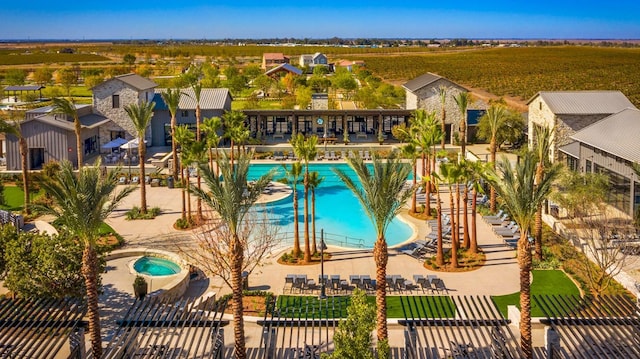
pixel 131 144
pixel 115 143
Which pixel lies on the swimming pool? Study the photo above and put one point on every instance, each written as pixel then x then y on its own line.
pixel 154 266
pixel 338 211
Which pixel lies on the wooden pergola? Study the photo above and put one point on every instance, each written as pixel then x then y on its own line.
pixel 45 328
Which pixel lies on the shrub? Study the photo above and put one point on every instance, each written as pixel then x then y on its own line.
pixel 135 213
pixel 184 223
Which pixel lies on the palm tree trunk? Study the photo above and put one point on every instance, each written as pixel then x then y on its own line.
pixel 187 184
pixel 465 218
pixel 458 213
pixel 24 150
pixel 443 126
pixel 231 157
pixel 199 200
pixel 89 272
pixel 184 194
pixel 143 187
pixel 537 231
pixel 174 148
pixel 454 232
pixel 439 250
pixel 427 206
pixel 474 232
pixel 493 195
pixel 414 195
pixel 236 286
pixel 463 136
pixel 381 257
pixel 314 247
pixel 307 245
pixel 296 232
pixel 524 260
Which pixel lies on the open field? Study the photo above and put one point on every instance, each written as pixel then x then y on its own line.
pixel 521 72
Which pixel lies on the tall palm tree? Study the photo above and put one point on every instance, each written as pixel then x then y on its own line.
pixel 81 203
pixel 210 127
pixel 441 91
pixel 171 98
pixel 522 196
pixel 306 150
pixel 462 100
pixel 496 118
pixel 450 173
pixel 542 149
pixel 436 180
pixel 465 178
pixel 381 194
pixel 232 198
pixel 474 172
pixel 314 182
pixel 184 137
pixel 12 127
pixel 140 115
pixel 293 179
pixel 68 108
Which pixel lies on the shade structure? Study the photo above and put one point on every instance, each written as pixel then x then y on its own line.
pixel 115 143
pixel 131 144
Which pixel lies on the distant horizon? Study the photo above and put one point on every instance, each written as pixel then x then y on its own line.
pixel 225 19
pixel 445 38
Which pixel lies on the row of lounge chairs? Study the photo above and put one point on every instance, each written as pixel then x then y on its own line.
pixel 328 155
pixel 503 227
pixel 334 284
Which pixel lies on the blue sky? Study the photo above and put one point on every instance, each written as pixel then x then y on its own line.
pixel 163 19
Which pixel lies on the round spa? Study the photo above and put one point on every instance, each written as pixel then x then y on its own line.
pixel 155 266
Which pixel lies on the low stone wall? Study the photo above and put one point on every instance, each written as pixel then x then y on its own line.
pixel 171 290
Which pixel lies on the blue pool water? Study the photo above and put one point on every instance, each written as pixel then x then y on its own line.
pixel 155 266
pixel 338 211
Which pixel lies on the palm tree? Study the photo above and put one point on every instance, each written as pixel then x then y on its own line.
pixel 68 108
pixel 522 196
pixel 441 91
pixel 542 148
pixel 171 98
pixel 496 118
pixel 184 137
pixel 409 151
pixel 211 126
pixel 428 135
pixel 234 129
pixel 314 182
pixel 141 116
pixel 306 150
pixel 381 194
pixel 465 177
pixel 13 128
pixel 450 173
pixel 462 100
pixel 293 179
pixel 232 198
pixel 81 203
pixel 436 180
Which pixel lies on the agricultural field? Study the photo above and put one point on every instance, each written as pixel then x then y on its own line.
pixel 8 58
pixel 521 72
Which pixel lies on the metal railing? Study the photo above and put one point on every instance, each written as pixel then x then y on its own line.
pixel 329 238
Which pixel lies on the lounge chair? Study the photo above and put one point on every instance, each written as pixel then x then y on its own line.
pixel 122 180
pixel 438 285
pixel 367 156
pixel 496 216
pixel 135 180
pixel 415 252
pixel 499 221
pixel 343 155
pixel 361 154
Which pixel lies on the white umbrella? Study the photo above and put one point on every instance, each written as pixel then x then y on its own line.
pixel 132 144
pixel 115 143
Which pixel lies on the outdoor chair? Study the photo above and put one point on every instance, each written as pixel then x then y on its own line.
pixel 343 155
pixel 288 280
pixel 496 216
pixel 122 180
pixel 438 285
pixel 405 285
pixel 355 280
pixel 335 283
pixel 361 154
pixel 367 156
pixel 499 221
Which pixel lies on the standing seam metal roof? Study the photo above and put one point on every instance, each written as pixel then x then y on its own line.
pixel 585 102
pixel 210 99
pixel 137 81
pixel 617 134
pixel 421 81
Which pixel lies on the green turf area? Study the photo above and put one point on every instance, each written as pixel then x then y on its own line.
pixel 14 198
pixel 105 229
pixel 336 307
pixel 549 282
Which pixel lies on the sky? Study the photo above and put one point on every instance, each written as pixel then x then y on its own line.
pixel 422 19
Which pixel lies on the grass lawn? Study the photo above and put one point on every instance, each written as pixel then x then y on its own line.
pixel 336 307
pixel 551 282
pixel 14 198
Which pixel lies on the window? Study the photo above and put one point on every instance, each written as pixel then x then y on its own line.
pixel 184 113
pixel 540 105
pixel 115 101
pixel 115 134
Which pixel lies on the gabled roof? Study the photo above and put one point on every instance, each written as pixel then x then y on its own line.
pixel 616 134
pixel 284 67
pixel 210 99
pixel 24 88
pixel 136 81
pixel 584 102
pixel 317 54
pixel 273 56
pixel 425 80
pixel 88 121
pixel 572 149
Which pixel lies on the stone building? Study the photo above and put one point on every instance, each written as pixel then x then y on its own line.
pixel 422 93
pixel 112 96
pixel 571 111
